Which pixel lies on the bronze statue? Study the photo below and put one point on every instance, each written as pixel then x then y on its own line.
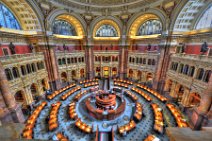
pixel 12 48
pixel 204 47
pixel 31 48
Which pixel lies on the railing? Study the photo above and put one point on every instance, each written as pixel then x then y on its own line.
pixel 22 56
pixel 68 54
pixel 194 57
pixel 104 52
pixel 150 53
pixel 142 67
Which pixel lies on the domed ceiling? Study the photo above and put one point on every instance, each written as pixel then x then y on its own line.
pixel 107 7
pixel 105 3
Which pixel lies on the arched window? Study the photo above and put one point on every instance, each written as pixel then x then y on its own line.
pixel 149 61
pixel 133 60
pixel 23 70
pixel 175 66
pixel 7 19
pixel 153 62
pixel 16 72
pixel 63 28
pixel 130 59
pixel 137 60
pixel 79 60
pixel 191 71
pixel 106 31
pixel 59 61
pixel 144 60
pixel 185 69
pixel 8 74
pixel 29 70
pixel 205 20
pixel 63 61
pixel 150 27
pixel 68 60
pixel 140 60
pixel 200 73
pixel 72 60
pixel 99 58
pixel 181 68
pixel 38 66
pixel 207 75
pixel 33 67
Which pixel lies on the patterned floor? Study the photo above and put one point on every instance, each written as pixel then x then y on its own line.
pixel 67 127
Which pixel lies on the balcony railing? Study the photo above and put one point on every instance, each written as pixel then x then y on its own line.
pixel 193 57
pixel 135 53
pixel 104 52
pixel 68 54
pixel 18 57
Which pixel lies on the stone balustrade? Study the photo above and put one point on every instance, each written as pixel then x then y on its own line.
pixel 193 57
pixel 21 58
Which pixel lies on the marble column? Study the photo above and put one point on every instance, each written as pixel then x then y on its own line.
pixel 56 79
pixel 185 98
pixel 89 56
pixel 52 68
pixel 28 95
pixel 166 87
pixel 173 90
pixel 11 106
pixel 40 88
pixel 123 55
pixel 162 65
pixel 143 79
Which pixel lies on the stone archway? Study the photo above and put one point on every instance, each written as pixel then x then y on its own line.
pixel 64 77
pixel 82 73
pixel 194 99
pixel 45 84
pixel 130 73
pixel 19 97
pixel 149 77
pixel 106 72
pixel 114 71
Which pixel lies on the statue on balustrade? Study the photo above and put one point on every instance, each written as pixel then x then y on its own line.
pixel 149 47
pixel 12 48
pixel 65 47
pixel 183 48
pixel 31 48
pixel 204 47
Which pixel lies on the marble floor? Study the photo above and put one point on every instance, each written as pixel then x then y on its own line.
pixel 67 127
